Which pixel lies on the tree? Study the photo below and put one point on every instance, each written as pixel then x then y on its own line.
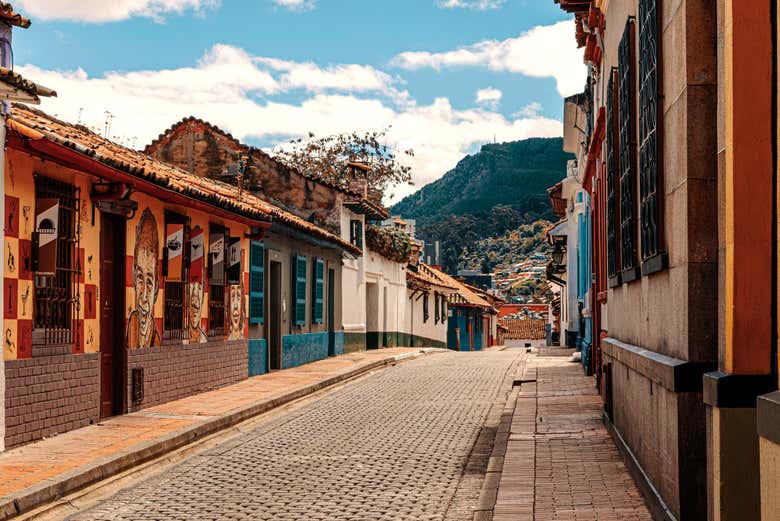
pixel 327 159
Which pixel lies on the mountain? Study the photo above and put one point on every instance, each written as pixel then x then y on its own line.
pixel 515 174
pixel 484 198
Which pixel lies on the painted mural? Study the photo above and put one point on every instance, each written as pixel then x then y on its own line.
pixel 141 325
pixel 236 311
pixel 195 289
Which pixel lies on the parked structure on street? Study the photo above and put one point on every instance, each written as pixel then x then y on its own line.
pixel 679 170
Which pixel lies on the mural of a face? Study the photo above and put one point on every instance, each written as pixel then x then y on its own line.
pixel 196 312
pixel 147 249
pixel 236 309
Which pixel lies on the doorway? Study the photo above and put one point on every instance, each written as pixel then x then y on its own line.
pixel 372 315
pixel 331 312
pixel 112 305
pixel 275 315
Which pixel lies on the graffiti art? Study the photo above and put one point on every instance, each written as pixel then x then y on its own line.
pixel 236 312
pixel 141 326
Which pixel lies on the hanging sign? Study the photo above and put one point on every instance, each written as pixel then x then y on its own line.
pixel 46 226
pixel 217 258
pixel 196 255
pixel 174 242
pixel 234 260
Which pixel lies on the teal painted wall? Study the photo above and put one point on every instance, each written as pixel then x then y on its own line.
pixel 302 349
pixel 258 357
pixel 338 343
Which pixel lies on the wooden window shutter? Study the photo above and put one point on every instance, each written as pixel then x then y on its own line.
pixel 256 282
pixel 300 290
pixel 318 291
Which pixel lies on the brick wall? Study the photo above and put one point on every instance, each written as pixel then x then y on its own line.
pixel 51 393
pixel 176 371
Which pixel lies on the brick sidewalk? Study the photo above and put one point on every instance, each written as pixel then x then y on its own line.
pixel 559 461
pixel 40 472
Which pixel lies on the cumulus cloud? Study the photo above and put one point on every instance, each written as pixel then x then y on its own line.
pixel 101 11
pixel 532 110
pixel 489 97
pixel 296 5
pixel 479 5
pixel 545 51
pixel 245 96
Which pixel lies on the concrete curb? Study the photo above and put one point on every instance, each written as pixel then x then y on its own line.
pixel 53 489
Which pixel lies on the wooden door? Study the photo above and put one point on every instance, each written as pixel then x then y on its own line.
pixel 331 312
pixel 111 295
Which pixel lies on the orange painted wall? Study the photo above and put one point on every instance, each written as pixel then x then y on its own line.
pixel 19 290
pixel 749 172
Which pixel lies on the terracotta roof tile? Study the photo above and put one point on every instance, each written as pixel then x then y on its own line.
pixel 518 329
pixel 17 81
pixel 463 295
pixel 35 124
pixel 425 277
pixel 11 17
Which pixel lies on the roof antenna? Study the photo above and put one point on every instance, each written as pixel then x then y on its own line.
pixel 107 131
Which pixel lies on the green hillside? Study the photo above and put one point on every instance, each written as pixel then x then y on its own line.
pixel 487 195
pixel 515 174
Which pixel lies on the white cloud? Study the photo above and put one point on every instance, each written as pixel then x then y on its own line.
pixel 489 97
pixel 100 11
pixel 479 5
pixel 532 110
pixel 542 52
pixel 243 95
pixel 296 5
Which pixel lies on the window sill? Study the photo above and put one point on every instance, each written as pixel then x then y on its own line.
pixel 656 263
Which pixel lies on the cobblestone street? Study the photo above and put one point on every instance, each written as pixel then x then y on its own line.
pixel 394 445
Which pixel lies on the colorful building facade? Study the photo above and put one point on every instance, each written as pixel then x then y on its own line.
pixel 130 282
pixel 681 169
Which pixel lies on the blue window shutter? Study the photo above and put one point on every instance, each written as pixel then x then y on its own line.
pixel 318 291
pixel 256 282
pixel 300 290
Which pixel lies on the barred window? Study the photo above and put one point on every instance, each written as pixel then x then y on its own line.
pixel 650 181
pixel 627 147
pixel 175 275
pixel 56 264
pixel 426 315
pixel 217 254
pixel 613 181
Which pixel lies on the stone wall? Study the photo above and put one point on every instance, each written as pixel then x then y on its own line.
pixel 205 150
pixel 172 372
pixel 50 394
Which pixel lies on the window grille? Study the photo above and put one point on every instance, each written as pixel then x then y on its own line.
pixel 175 295
pixel 56 295
pixel 435 308
pixel 356 232
pixel 650 185
pixel 612 188
pixel 426 315
pixel 217 281
pixel 627 144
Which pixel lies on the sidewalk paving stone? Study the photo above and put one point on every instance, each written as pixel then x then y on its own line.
pixel 48 469
pixel 560 462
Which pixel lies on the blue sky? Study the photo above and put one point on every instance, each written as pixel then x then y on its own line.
pixel 448 75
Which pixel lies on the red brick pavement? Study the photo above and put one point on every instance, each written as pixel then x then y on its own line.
pixel 560 462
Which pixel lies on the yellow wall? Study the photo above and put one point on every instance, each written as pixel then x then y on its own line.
pixel 20 198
